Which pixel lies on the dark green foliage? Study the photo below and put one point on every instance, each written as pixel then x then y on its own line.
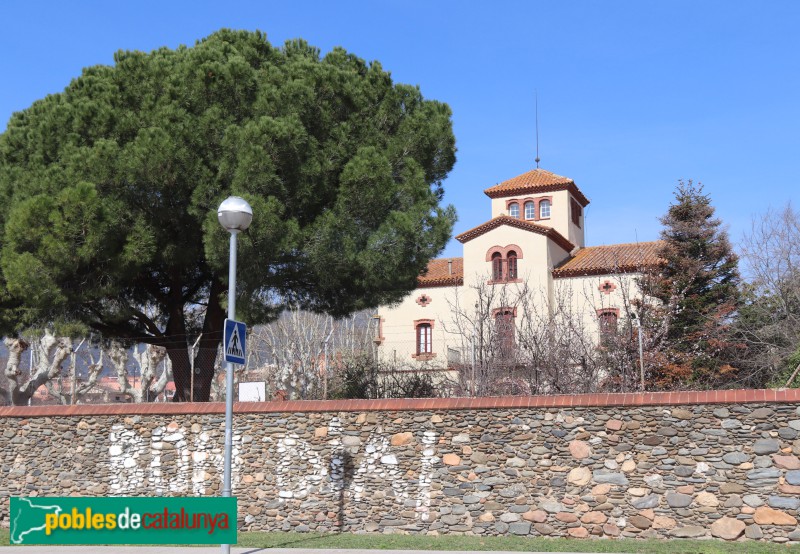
pixel 109 191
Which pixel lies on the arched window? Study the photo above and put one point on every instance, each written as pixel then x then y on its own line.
pixel 544 209
pixel 530 210
pixel 424 338
pixel 512 264
pixel 513 209
pixel 497 266
pixel 607 318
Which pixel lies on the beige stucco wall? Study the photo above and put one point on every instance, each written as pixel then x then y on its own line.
pixel 539 256
pixel 399 333
pixel 581 295
pixel 534 264
pixel 584 296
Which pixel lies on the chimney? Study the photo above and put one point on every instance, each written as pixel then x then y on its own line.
pixel 449 267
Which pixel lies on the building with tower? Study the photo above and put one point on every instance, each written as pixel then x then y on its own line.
pixel 529 258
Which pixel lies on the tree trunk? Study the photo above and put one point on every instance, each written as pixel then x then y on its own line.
pixel 176 343
pixel 181 374
pixel 206 352
pixel 209 343
pixel 53 351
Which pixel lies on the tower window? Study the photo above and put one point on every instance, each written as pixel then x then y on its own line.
pixel 577 212
pixel 530 210
pixel 544 209
pixel 513 209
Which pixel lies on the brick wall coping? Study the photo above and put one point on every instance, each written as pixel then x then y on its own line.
pixel 745 396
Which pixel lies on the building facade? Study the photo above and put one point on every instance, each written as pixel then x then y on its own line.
pixel 522 270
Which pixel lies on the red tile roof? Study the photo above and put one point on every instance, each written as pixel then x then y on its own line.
pixel 612 258
pixel 496 222
pixel 443 272
pixel 536 181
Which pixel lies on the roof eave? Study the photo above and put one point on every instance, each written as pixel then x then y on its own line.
pixel 624 270
pixel 535 189
pixel 450 282
pixel 496 222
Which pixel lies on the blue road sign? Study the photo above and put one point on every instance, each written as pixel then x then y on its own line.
pixel 234 341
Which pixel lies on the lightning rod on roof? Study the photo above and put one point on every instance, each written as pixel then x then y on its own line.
pixel 537 128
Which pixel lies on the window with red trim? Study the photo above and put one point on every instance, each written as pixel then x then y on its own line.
pixel 530 210
pixel 544 209
pixel 608 322
pixel 497 266
pixel 512 265
pixel 504 330
pixel 513 209
pixel 424 338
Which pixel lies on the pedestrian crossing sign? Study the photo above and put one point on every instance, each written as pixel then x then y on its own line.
pixel 234 341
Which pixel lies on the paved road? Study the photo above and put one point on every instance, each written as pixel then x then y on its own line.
pixel 205 550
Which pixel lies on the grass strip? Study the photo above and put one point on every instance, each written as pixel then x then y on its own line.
pixel 522 544
pixel 374 541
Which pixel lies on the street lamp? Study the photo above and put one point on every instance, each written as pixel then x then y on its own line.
pixel 638 324
pixel 235 215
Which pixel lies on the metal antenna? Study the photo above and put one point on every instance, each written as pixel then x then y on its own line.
pixel 537 128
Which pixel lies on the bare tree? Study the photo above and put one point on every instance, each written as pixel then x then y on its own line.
pixel 218 383
pixel 151 382
pixel 78 388
pixel 769 321
pixel 51 352
pixel 522 340
pixel 5 395
pixel 300 350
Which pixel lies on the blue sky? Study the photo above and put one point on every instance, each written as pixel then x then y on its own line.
pixel 632 95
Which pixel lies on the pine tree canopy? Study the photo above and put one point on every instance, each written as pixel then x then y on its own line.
pixel 110 190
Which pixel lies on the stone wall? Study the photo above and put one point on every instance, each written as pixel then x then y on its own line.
pixel 722 464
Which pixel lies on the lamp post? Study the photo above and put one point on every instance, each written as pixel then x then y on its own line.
pixel 638 324
pixel 235 215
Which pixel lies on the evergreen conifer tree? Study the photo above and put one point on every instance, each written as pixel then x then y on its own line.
pixel 699 290
pixel 110 189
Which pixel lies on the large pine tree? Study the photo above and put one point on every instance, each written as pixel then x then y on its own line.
pixel 699 290
pixel 109 192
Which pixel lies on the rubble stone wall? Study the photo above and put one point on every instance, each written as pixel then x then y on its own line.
pixel 718 464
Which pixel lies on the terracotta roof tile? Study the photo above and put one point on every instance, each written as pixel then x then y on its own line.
pixel 535 181
pixel 441 273
pixel 493 223
pixel 612 258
